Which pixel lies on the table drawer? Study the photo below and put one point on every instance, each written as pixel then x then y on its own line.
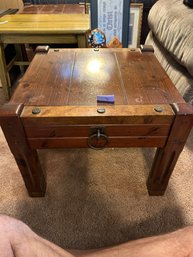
pixel 109 135
pixel 79 126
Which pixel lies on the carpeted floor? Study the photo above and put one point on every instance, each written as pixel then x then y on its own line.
pixel 98 198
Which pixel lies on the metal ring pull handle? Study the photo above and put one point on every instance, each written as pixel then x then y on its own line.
pixel 98 141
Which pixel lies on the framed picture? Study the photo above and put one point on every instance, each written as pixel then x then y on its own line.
pixel 112 17
pixel 135 21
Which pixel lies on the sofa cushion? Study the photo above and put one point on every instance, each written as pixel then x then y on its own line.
pixel 177 73
pixel 172 23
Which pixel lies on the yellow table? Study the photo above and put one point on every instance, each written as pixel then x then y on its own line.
pixel 39 29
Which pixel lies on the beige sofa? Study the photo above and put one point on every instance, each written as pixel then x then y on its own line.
pixel 171 34
pixel 13 4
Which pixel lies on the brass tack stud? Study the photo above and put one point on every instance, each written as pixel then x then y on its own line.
pixel 158 109
pixel 36 110
pixel 101 110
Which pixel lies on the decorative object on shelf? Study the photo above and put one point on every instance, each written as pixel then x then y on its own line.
pixel 112 17
pixel 115 43
pixel 96 39
pixel 135 22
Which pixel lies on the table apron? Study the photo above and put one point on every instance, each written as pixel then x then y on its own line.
pixel 125 135
pixel 109 129
pixel 82 142
pixel 39 38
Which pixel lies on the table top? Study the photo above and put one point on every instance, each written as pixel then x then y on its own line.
pixel 74 77
pixel 54 8
pixel 44 23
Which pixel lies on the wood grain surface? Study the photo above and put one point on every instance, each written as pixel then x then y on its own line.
pixel 120 114
pixel 76 77
pixel 43 23
pixel 54 8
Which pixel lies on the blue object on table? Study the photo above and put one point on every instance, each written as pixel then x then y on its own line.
pixel 106 98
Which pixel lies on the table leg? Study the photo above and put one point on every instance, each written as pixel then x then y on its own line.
pixel 81 41
pixel 22 58
pixel 19 54
pixel 4 76
pixel 26 158
pixel 166 157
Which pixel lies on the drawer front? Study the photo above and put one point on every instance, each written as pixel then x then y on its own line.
pixel 87 126
pixel 98 136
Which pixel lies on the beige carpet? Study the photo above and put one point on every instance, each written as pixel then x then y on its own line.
pixel 98 198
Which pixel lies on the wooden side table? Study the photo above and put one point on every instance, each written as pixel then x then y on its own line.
pixel 55 106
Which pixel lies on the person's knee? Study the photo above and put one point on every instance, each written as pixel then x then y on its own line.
pixel 6 223
pixel 9 222
pixel 10 227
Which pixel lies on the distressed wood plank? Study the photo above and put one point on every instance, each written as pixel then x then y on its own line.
pixel 120 114
pixel 82 142
pixel 83 131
